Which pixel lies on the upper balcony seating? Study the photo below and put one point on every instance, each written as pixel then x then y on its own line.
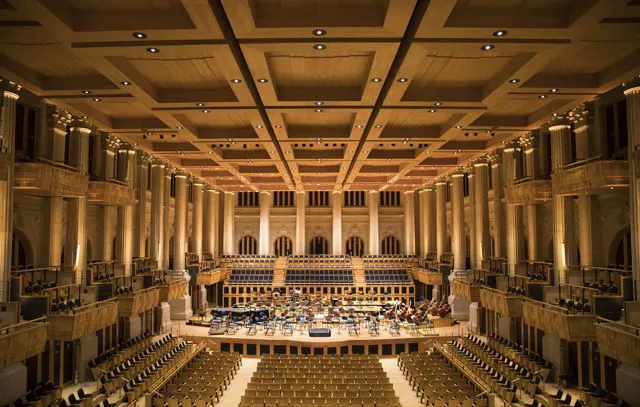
pixel 331 380
pixel 576 304
pixel 248 261
pixel 386 261
pixel 318 277
pixel 319 261
pixel 201 382
pixel 245 276
pixel 437 382
pixel 394 276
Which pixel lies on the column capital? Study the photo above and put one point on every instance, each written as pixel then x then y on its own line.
pixel 10 88
pixel 408 192
pixel 81 129
pixel 527 141
pixel 229 193
pixel 632 91
pixel 143 158
pixel 559 123
pixel 266 192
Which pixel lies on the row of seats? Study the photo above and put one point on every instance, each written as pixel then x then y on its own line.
pixel 37 287
pixel 62 305
pixel 437 382
pixel 319 277
pixel 43 394
pixel 242 276
pixel 393 276
pixel 114 356
pixel 320 260
pixel 578 304
pixel 521 355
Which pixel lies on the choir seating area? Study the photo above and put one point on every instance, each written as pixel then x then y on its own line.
pixel 305 380
pixel 386 261
pixel 392 276
pixel 248 260
pixel 319 261
pixel 251 277
pixel 318 277
pixel 201 382
pixel 437 382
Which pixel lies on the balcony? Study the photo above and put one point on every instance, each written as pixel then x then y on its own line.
pixel 48 178
pixel 505 304
pixel 528 191
pixel 619 341
pixel 137 302
pixel 426 276
pixel 173 289
pixel 22 341
pixel 466 289
pixel 81 321
pixel 559 321
pixel 211 277
pixel 591 176
pixel 110 192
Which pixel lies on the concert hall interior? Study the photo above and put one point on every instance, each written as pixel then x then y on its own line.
pixel 365 203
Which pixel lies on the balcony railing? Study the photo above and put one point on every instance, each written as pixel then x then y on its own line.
pixel 136 302
pixel 559 321
pixel 504 303
pixel 592 176
pixel 528 190
pixel 50 178
pixel 21 341
pixel 619 341
pixel 83 320
pixel 110 191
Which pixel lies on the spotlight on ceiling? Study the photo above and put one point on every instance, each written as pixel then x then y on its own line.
pixel 318 103
pixel 125 83
pixel 514 80
pixel 318 32
pixel 199 104
pixel 205 111
pixel 153 50
pixel 487 47
pixel 319 47
pixel 139 35
pixel 403 80
pixel 236 80
pixel 96 99
pixel 542 96
pixel 86 92
pixel 554 90
pixel 433 110
pixel 376 80
pixel 500 33
pixel 263 80
pixel 318 110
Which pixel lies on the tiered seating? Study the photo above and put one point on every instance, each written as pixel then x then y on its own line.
pixel 117 355
pixel 249 261
pixel 246 276
pixel 42 395
pixel 319 261
pixel 385 261
pixel 318 277
pixel 437 382
pixel 201 381
pixel 597 396
pixel 522 356
pixel 305 380
pixel 393 276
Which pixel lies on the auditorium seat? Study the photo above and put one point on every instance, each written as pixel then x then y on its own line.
pixel 318 277
pixel 251 276
pixel 392 276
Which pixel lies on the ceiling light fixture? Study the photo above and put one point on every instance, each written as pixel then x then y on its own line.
pixel 438 104
pixel 554 90
pixel 86 92
pixel 318 103
pixel 278 126
pixel 96 99
pixel 125 83
pixel 359 126
pixel 236 80
pixel 487 47
pixel 180 127
pixel 433 110
pixel 259 126
pixel 403 80
pixel 514 80
pixel 139 35
pixel 376 80
pixel 199 104
pixel 153 50
pixel 378 126
pixel 500 33
pixel 542 96
pixel 205 111
pixel 318 110
pixel 319 32
pixel 458 126
pixel 263 80
pixel 319 47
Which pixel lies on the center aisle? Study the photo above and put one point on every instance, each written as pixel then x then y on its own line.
pixel 401 386
pixel 232 396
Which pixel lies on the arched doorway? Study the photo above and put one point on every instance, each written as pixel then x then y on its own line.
pixel 355 246
pixel 620 252
pixel 21 255
pixel 318 245
pixel 390 245
pixel 282 246
pixel 248 245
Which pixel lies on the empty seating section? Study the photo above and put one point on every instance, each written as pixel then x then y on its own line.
pixel 386 261
pixel 114 356
pixel 248 261
pixel 319 261
pixel 305 380
pixel 318 277
pixel 393 276
pixel 42 395
pixel 201 382
pixel 437 382
pixel 249 277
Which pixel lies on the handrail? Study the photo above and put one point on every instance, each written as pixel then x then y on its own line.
pixel 108 179
pixel 620 327
pixel 83 308
pixel 523 180
pixel 21 326
pixel 555 308
pixel 580 163
pixel 57 164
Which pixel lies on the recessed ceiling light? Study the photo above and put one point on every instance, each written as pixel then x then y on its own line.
pixel 263 80
pixel 487 47
pixel 205 111
pixel 236 80
pixel 179 127
pixel 376 80
pixel 514 80
pixel 359 126
pixel 199 104
pixel 438 104
pixel 153 50
pixel 402 80
pixel 139 35
pixel 319 47
pixel 96 99
pixel 433 110
pixel 319 32
pixel 278 126
pixel 378 126
pixel 458 126
pixel 319 103
pixel 86 92
pixel 500 33
pixel 259 126
pixel 542 96
pixel 125 83
pixel 318 110
pixel 554 90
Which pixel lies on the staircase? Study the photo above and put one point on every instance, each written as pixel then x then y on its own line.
pixel 279 269
pixel 358 272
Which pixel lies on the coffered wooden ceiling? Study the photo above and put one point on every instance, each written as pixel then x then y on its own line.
pixel 393 94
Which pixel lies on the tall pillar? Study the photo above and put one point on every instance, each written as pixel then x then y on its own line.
pixel 167 220
pixel 374 234
pixel 336 208
pixel 229 214
pixel 430 220
pixel 483 240
pixel 422 220
pixel 409 224
pixel 180 223
pixel 441 222
pixel 265 207
pixel 515 240
pixel 196 219
pixel 210 232
pixel 498 206
pixel 156 240
pixel 300 222
pixel 53 210
pixel 633 120
pixel 140 226
pixel 564 245
pixel 108 216
pixel 124 235
pixel 470 218
pixel 458 242
pixel 50 143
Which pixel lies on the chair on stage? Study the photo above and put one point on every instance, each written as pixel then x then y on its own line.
pixel 252 329
pixel 354 329
pixel 373 329
pixel 270 329
pixel 394 329
pixel 287 329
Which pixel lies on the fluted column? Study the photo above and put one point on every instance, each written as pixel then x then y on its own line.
pixel 409 223
pixel 564 250
pixel 229 214
pixel 108 218
pixel 265 207
pixel 210 232
pixel 430 220
pixel 374 234
pixel 441 221
pixel 336 208
pixel 300 222
pixel 196 219
pixel 167 220
pixel 124 235
pixel 458 242
pixel 498 206
pixel 483 240
pixel 157 214
pixel 180 223
pixel 471 219
pixel 422 229
pixel 515 235
pixel 7 142
pixel 633 120
pixel 140 226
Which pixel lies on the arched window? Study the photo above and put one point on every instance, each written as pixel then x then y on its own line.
pixel 248 245
pixel 21 251
pixel 283 246
pixel 318 245
pixel 390 245
pixel 355 246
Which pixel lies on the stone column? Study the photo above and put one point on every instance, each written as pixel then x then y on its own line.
pixel 196 219
pixel 140 226
pixel 210 232
pixel 483 240
pixel 124 235
pixel 458 243
pixel 374 234
pixel 167 220
pixel 300 223
pixel 108 214
pixel 409 224
pixel 156 240
pixel 229 214
pixel 441 221
pixel 336 208
pixel 50 143
pixel 564 250
pixel 515 235
pixel 633 119
pixel 7 142
pixel 471 219
pixel 422 230
pixel 498 206
pixel 180 223
pixel 53 211
pixel 430 220
pixel 265 207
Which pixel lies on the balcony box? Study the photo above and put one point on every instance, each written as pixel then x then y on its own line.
pixel 50 179
pixel 507 305
pixel 81 321
pixel 22 341
pixel 137 302
pixel 591 176
pixel 528 191
pixel 110 192
pixel 558 321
